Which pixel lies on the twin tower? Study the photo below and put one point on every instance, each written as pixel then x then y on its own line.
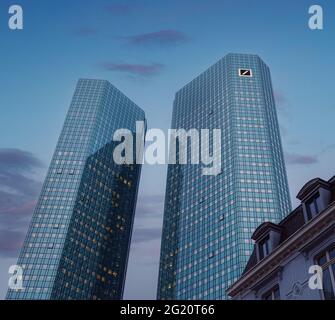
pixel 77 245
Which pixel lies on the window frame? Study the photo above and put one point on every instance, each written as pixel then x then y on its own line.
pixel 264 243
pixel 313 201
pixel 330 262
pixel 272 293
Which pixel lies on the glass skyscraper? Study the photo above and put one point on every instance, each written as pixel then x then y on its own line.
pixel 78 241
pixel 209 220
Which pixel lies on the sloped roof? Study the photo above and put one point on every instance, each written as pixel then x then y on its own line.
pixel 310 185
pixel 295 220
pixel 288 226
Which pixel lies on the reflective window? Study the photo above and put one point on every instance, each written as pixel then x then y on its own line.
pixel 264 248
pixel 313 206
pixel 327 262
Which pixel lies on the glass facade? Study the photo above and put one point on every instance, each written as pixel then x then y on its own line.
pixel 209 220
pixel 78 241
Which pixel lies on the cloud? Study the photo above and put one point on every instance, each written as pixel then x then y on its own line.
pixel 18 160
pixel 133 69
pixel 10 243
pixel 18 194
pixel 162 37
pixel 146 234
pixel 18 183
pixel 150 206
pixel 293 158
pixel 149 214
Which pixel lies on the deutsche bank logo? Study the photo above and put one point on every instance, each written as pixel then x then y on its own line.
pixel 245 73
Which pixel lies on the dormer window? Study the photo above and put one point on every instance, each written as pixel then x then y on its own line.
pixel 315 196
pixel 313 206
pixel 264 248
pixel 267 237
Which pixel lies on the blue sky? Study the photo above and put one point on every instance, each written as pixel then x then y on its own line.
pixel 149 49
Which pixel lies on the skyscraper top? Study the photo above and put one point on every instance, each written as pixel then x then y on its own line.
pixel 240 56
